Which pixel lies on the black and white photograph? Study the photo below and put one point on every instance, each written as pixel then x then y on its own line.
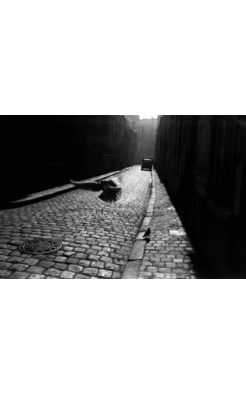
pixel 89 193
pixel 123 197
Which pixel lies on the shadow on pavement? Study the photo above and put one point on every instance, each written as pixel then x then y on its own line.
pixel 111 196
pixel 111 191
pixel 22 182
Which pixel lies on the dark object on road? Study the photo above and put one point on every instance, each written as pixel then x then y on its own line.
pixel 147 164
pixel 111 188
pixel 147 233
pixel 91 186
pixel 40 246
pixel 110 184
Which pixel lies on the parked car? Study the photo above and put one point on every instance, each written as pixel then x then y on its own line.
pixel 147 164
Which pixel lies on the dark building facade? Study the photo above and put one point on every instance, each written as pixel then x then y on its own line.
pixel 40 152
pixel 202 161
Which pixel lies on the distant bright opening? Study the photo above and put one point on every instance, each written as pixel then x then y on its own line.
pixel 147 116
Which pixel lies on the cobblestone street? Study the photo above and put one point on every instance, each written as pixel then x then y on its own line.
pixel 97 236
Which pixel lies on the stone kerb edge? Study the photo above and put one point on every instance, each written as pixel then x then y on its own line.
pixel 132 267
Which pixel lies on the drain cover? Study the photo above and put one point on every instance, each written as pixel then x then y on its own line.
pixel 40 246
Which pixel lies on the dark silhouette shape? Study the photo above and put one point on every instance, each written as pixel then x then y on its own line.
pixel 88 186
pixel 110 196
pixel 111 188
pixel 147 233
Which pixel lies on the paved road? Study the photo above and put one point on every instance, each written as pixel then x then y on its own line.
pixel 97 236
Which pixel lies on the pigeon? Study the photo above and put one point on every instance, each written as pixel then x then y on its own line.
pixel 147 233
pixel 111 189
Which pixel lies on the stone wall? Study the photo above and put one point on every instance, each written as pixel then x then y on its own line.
pixel 202 161
pixel 40 152
pixel 102 144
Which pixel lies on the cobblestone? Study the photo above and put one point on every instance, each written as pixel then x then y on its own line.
pixel 36 269
pixel 61 259
pixel 90 271
pixel 53 272
pixel 20 267
pixel 105 273
pixel 30 261
pixel 107 260
pixel 98 264
pixel 67 274
pixel 5 265
pixel 112 266
pixel 19 275
pixel 46 264
pixel 85 263
pixel 4 273
pixel 116 275
pixel 93 257
pixel 14 259
pixel 6 252
pixel 75 268
pixel 81 256
pixel 60 266
pixel 73 261
pixel 36 276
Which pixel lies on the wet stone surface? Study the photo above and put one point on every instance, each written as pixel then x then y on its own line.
pixel 96 235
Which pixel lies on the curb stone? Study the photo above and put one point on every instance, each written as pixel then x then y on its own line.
pixel 133 265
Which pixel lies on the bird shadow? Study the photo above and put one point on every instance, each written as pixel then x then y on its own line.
pixel 111 196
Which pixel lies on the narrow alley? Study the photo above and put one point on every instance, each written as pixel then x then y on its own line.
pixel 78 207
pixel 97 236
